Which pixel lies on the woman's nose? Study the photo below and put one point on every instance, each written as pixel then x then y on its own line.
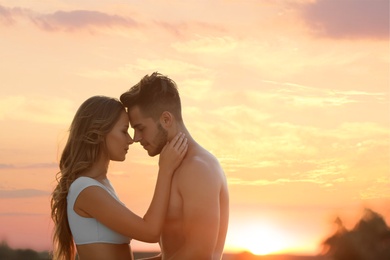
pixel 137 138
pixel 130 141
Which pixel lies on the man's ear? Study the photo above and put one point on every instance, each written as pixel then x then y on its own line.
pixel 166 119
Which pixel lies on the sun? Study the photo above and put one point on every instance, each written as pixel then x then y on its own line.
pixel 261 239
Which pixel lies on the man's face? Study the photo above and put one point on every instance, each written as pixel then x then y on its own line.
pixel 149 133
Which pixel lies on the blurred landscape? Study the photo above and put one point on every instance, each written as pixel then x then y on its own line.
pixel 369 239
pixel 249 256
pixel 291 96
pixel 7 253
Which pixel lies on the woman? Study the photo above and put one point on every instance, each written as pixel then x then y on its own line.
pixel 84 206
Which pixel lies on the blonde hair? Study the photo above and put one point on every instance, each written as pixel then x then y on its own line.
pixel 93 120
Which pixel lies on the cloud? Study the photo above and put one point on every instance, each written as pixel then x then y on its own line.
pixel 22 193
pixel 259 137
pixel 360 130
pixel 78 19
pixel 40 166
pixel 326 171
pixel 379 188
pixel 65 20
pixel 250 143
pixel 36 109
pixel 348 18
pixel 5 16
pixel 29 166
pixel 261 182
pixel 179 29
pixel 139 67
pixel 6 166
pixel 21 214
pixel 211 45
pixel 8 15
pixel 171 66
pixel 305 96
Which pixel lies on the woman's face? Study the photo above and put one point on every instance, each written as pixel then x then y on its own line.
pixel 118 139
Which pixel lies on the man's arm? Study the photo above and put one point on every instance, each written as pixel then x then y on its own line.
pixel 200 189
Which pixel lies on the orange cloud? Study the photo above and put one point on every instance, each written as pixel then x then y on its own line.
pixel 36 109
pixel 23 193
pixel 65 20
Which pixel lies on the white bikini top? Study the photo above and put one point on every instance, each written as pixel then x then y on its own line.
pixel 89 230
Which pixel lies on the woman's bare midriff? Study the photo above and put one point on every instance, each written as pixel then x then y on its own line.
pixel 104 251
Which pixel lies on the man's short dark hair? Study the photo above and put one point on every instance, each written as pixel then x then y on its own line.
pixel 154 94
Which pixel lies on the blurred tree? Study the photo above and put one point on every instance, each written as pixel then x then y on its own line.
pixel 368 240
pixel 8 253
pixel 5 251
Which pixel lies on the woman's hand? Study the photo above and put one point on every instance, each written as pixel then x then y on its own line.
pixel 173 153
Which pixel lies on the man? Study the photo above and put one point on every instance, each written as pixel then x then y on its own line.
pixel 197 219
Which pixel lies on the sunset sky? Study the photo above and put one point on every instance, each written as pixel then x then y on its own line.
pixel 292 96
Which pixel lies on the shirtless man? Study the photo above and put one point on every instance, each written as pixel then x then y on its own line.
pixel 197 219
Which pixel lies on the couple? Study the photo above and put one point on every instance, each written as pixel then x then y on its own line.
pixel 188 214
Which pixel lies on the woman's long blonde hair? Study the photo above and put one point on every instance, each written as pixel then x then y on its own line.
pixel 92 122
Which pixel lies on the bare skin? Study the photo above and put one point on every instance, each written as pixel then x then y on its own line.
pixel 196 223
pixel 104 251
pixel 115 215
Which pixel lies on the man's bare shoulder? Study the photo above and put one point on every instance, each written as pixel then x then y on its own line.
pixel 200 160
pixel 200 167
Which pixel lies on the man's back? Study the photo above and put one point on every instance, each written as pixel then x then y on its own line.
pixel 198 213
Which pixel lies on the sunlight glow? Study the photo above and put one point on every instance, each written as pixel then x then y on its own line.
pixel 261 239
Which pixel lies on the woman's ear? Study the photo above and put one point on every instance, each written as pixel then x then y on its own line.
pixel 166 119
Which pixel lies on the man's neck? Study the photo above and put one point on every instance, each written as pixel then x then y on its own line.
pixel 191 141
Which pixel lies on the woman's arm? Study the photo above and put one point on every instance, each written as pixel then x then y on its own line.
pixel 95 202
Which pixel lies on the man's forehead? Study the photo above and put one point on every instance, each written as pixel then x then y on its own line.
pixel 134 112
pixel 136 117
